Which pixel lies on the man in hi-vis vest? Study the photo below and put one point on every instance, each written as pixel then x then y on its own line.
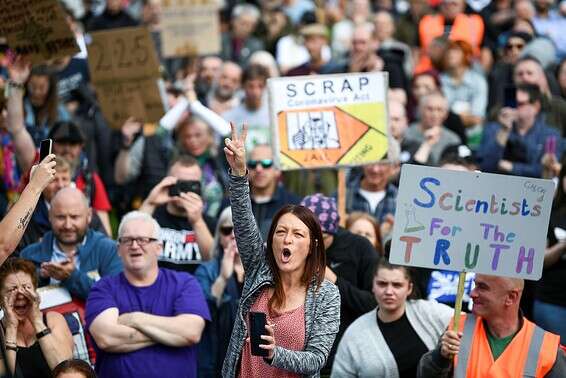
pixel 495 340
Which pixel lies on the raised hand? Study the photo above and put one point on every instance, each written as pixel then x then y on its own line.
pixel 19 69
pixel 34 315
pixel 43 173
pixel 235 150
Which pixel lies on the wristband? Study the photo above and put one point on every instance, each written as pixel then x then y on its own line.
pixel 13 347
pixel 45 332
pixel 15 84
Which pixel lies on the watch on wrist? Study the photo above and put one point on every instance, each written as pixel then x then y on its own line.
pixel 43 333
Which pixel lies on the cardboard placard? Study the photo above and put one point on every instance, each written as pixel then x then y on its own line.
pixel 329 120
pixel 190 28
pixel 37 28
pixel 471 222
pixel 125 70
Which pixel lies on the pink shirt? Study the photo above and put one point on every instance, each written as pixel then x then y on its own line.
pixel 289 334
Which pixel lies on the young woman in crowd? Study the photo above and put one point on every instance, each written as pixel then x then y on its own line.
pixel 222 280
pixel 41 106
pixel 388 342
pixel 365 225
pixel 465 89
pixel 35 343
pixel 284 280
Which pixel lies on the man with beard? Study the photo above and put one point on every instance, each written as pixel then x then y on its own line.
pixel 268 195
pixel 253 109
pixel 72 254
pixel 208 72
pixel 223 97
pixel 68 142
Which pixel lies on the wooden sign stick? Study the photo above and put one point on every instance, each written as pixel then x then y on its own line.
pixel 342 196
pixel 459 297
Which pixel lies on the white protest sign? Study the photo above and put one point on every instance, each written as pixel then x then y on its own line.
pixel 471 221
pixel 329 120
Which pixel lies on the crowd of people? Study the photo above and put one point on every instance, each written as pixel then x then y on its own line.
pixel 162 238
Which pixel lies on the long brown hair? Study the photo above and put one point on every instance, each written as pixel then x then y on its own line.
pixel 49 109
pixel 316 260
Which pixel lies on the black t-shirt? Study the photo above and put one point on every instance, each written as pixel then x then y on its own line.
pixel 72 77
pixel 404 343
pixel 180 247
pixel 551 288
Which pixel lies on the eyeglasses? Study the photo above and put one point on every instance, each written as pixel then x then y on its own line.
pixel 226 230
pixel 141 240
pixel 265 163
pixel 518 46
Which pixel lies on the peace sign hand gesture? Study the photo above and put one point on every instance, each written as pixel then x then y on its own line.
pixel 235 150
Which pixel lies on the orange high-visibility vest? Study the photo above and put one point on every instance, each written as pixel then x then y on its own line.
pixel 466 27
pixel 531 353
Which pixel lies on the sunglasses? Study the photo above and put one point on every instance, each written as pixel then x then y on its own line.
pixel 226 230
pixel 265 163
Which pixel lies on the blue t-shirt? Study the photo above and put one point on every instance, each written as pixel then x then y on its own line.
pixel 173 293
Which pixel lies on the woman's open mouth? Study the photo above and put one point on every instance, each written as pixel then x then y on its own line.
pixel 21 307
pixel 285 255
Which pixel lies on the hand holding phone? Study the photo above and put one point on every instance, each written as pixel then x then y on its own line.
pixel 45 149
pixel 258 320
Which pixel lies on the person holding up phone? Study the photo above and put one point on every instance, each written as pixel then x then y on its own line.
pixel 14 224
pixel 177 205
pixel 285 282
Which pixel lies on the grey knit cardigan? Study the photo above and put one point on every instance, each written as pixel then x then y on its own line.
pixel 322 306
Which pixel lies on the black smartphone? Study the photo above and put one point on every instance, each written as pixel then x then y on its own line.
pixel 257 329
pixel 184 186
pixel 45 149
pixel 510 99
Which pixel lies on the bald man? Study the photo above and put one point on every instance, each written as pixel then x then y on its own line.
pixel 495 340
pixel 73 255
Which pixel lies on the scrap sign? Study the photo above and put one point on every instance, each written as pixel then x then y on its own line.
pixel 472 222
pixel 329 120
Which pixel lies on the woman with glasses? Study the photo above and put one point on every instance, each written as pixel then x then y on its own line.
pixel 222 281
pixel 284 280
pixel 35 343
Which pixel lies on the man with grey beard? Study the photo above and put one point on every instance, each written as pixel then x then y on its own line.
pixel 223 96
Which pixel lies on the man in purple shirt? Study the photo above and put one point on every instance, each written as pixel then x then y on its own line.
pixel 145 321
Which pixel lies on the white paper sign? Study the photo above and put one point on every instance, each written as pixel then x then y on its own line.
pixel 471 221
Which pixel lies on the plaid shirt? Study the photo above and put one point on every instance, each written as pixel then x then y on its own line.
pixel 356 202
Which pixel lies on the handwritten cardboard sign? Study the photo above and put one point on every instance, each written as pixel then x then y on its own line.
pixel 329 120
pixel 37 28
pixel 471 221
pixel 125 70
pixel 190 28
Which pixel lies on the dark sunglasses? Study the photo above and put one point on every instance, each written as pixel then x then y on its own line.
pixel 265 163
pixel 226 230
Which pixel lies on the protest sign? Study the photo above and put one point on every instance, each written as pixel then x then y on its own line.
pixel 471 222
pixel 190 28
pixel 125 70
pixel 329 120
pixel 37 28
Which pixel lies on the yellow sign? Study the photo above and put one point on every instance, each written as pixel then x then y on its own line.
pixel 329 120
